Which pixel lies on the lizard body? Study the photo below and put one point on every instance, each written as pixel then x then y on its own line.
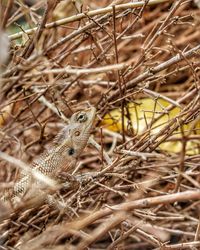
pixel 61 155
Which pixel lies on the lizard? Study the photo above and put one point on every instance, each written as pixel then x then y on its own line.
pixel 61 155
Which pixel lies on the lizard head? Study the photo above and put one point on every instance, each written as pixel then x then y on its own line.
pixel 76 134
pixel 81 124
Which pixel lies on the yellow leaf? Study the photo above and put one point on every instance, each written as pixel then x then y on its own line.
pixel 141 114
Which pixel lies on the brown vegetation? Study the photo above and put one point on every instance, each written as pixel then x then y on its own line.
pixel 126 193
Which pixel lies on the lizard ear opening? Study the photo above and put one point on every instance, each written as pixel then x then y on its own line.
pixel 77 133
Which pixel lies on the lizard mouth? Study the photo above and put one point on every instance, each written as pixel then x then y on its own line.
pixel 92 111
pixel 91 116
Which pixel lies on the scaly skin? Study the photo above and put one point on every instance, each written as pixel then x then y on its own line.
pixel 61 155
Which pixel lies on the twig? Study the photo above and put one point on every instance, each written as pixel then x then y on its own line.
pixel 80 16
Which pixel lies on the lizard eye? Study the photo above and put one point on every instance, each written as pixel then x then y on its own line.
pixel 81 117
pixel 71 151
pixel 76 133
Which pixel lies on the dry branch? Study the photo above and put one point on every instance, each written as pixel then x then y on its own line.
pixel 127 191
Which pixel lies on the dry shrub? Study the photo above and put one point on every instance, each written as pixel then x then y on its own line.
pixel 130 194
